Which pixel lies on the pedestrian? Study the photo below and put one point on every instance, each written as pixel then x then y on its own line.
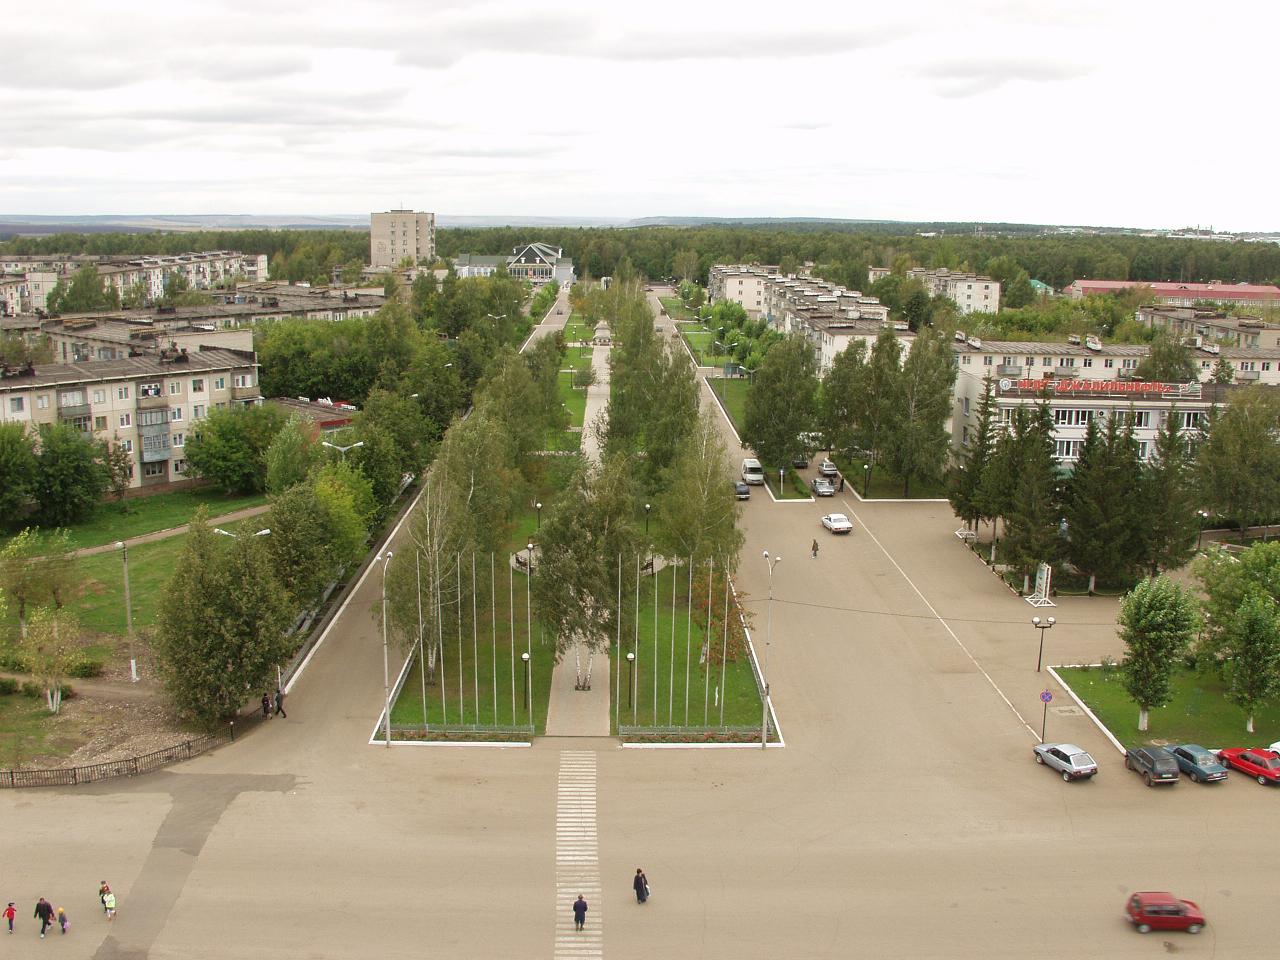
pixel 109 901
pixel 9 914
pixel 63 922
pixel 44 913
pixel 813 555
pixel 842 483
pixel 103 890
pixel 641 885
pixel 280 703
pixel 580 912
pixel 266 706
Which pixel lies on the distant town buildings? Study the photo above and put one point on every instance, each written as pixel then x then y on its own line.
pixel 971 292
pixel 1183 294
pixel 324 415
pixel 399 235
pixel 1199 326
pixel 538 263
pixel 147 405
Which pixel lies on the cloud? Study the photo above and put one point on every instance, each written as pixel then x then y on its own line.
pixel 30 65
pixel 967 78
pixel 226 66
pixel 762 44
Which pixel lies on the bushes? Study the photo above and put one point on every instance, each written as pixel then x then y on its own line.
pixel 29 689
pixel 82 665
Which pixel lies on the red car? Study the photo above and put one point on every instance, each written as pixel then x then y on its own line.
pixel 1163 911
pixel 1262 765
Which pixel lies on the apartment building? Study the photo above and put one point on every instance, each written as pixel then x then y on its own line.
pixel 398 235
pixel 84 339
pixel 25 291
pixel 1198 326
pixel 145 404
pixel 743 285
pixel 971 292
pixel 1183 294
pixel 538 263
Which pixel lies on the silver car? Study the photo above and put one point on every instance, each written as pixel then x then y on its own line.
pixel 1068 759
pixel 822 487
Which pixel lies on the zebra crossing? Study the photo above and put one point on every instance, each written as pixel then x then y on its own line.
pixel 577 858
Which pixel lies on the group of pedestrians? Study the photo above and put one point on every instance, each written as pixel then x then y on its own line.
pixel 640 884
pixel 50 917
pixel 278 702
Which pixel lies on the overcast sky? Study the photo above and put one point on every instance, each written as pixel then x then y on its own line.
pixel 1117 112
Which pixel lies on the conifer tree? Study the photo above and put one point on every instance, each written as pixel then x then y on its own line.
pixel 965 489
pixel 1169 522
pixel 1032 523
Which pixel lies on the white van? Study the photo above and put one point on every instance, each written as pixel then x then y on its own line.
pixel 752 472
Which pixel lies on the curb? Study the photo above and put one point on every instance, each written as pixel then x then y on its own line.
pixel 1083 706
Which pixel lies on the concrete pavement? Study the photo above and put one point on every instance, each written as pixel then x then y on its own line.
pixel 905 818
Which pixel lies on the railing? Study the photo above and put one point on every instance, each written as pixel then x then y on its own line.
pixel 128 767
pixel 461 731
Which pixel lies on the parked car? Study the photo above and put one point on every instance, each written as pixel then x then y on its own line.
pixel 800 461
pixel 1151 910
pixel 752 472
pixel 828 469
pixel 1198 763
pixel 1068 759
pixel 822 487
pixel 741 490
pixel 1155 764
pixel 1262 765
pixel 837 523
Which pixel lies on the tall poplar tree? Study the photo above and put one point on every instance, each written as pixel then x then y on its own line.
pixel 1158 618
pixel 917 444
pixel 1254 645
pixel 877 391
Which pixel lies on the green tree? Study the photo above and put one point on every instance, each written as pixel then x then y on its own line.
pixel 836 404
pixel 1169 526
pixel 1254 648
pixel 70 476
pixel 1103 506
pixel 686 265
pixel 782 403
pixel 301 541
pixel 402 419
pixel 1238 463
pixel 422 299
pixel 50 647
pixel 85 292
pixel 229 447
pixel 673 411
pixel 917 306
pixel 964 482
pixel 697 505
pixel 1227 580
pixel 17 471
pixel 1169 361
pixel 1223 371
pixel 918 441
pixel 513 398
pixel 476 482
pixel 222 624
pixel 20 580
pixel 119 467
pixel 1158 619
pixel 1032 520
pixel 876 393
pixel 293 452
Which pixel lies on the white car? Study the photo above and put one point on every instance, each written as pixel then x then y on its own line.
pixel 837 523
pixel 1068 759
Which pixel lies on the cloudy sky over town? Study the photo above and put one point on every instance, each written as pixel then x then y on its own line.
pixel 1084 112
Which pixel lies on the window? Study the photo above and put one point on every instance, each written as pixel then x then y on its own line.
pixel 153 469
pixel 966 407
pixel 42 402
pixel 177 440
pixel 220 383
pixel 1248 365
pixel 155 444
pixel 1142 449
pixel 964 436
pixel 99 396
pixel 1135 418
pixel 987 360
pixel 1067 449
pixel 122 393
pixel 243 380
pixel 1088 361
pixel 126 446
pixel 1190 419
pixel 197 412
pixel 1129 364
pixel 149 389
pixel 220 405
pixel 175 387
pixel 175 414
pixel 964 360
pixel 1204 364
pixel 1108 363
pixel 1266 364
pixel 1031 362
pixel 1048 361
pixel 16 404
pixel 197 386
pixel 1071 417
pixel 99 423
pixel 179 466
pixel 126 419
pixel 150 418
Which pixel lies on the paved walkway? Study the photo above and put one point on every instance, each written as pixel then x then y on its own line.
pixel 232 517
pixel 577 858
pixel 597 403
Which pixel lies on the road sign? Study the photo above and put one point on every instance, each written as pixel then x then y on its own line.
pixel 1046 697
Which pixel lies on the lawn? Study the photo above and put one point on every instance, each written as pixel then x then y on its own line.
pixel 25 726
pixel 732 392
pixel 576 329
pixel 675 308
pixel 575 358
pixel 885 485
pixel 1198 712
pixel 794 487
pixel 575 403
pixel 111 522
pixel 701 341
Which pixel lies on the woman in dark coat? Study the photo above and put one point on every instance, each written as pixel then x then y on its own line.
pixel 641 885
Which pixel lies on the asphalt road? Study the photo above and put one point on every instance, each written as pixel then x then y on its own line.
pixel 905 818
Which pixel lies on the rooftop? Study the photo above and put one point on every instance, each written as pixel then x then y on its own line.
pixel 1202 291
pixel 130 368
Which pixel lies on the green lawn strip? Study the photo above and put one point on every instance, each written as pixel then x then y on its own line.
pixel 574 400
pixel 576 358
pixel 25 728
pixel 701 341
pixel 675 308
pixel 665 662
pixel 111 521
pixel 793 486
pixel 1198 712
pixel 576 329
pixel 884 485
pixel 732 392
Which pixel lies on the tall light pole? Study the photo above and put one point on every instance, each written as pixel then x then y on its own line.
pixel 1042 626
pixel 764 723
pixel 342 450
pixel 538 506
pixel 524 657
pixel 647 508
pixel 1202 516
pixel 866 479
pixel 386 667
pixel 265 531
pixel 631 665
pixel 128 611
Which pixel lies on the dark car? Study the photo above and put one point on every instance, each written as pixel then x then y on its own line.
pixel 1262 765
pixel 741 490
pixel 800 461
pixel 1198 763
pixel 1151 910
pixel 1155 764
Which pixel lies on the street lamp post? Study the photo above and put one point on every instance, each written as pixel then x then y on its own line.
pixel 631 665
pixel 866 479
pixel 342 450
pixel 538 506
pixel 764 723
pixel 386 668
pixel 524 657
pixel 1202 516
pixel 128 611
pixel 265 531
pixel 647 508
pixel 1042 626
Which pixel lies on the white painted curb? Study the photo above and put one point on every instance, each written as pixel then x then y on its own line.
pixel 1083 706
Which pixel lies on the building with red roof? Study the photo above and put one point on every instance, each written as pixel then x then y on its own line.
pixel 1182 294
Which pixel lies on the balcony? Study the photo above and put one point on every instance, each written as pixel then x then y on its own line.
pixel 153 430
pixel 1244 375
pixel 152 403
pixel 245 393
pixel 1066 372
pixel 1009 370
pixel 154 455
pixel 72 411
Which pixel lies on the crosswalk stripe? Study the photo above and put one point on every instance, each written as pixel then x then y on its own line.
pixel 577 858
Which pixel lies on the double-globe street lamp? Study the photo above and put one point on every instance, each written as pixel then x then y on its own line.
pixel 768 642
pixel 341 449
pixel 385 559
pixel 1042 626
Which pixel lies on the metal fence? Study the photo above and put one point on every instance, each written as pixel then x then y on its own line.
pixel 128 767
pixel 461 731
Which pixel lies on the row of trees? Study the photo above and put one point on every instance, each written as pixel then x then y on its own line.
pixel 56 475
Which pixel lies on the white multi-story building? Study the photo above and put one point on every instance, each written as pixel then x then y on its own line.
pixel 399 235
pixel 538 263
pixel 25 291
pixel 743 285
pixel 971 292
pixel 146 405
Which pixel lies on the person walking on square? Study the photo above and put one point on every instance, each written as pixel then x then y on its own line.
pixel 63 922
pixel 109 901
pixel 44 913
pixel 813 551
pixel 842 483
pixel 579 912
pixel 103 890
pixel 266 706
pixel 280 703
pixel 9 914
pixel 641 885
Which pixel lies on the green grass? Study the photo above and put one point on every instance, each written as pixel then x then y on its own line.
pixel 575 404
pixel 576 358
pixel 885 485
pixel 792 489
pixel 576 329
pixel 25 726
pixel 675 308
pixel 732 392
pixel 701 341
pixel 113 521
pixel 1199 711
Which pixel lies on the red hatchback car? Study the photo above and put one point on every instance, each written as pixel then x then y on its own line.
pixel 1163 911
pixel 1262 765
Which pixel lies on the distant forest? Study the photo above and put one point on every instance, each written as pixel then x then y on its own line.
pixel 841 253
